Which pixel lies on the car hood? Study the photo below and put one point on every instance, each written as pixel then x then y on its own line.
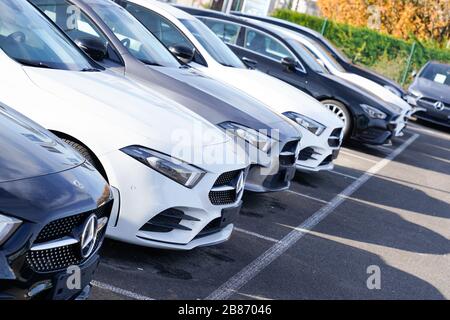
pixel 28 150
pixel 381 77
pixel 362 94
pixel 278 95
pixel 432 89
pixel 125 105
pixel 376 89
pixel 218 102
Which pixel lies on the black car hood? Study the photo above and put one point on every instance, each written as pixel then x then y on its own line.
pixel 380 76
pixel 432 89
pixel 27 150
pixel 214 101
pixel 358 92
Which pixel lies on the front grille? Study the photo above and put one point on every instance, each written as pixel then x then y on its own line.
pixel 334 140
pixel 60 228
pixel 224 189
pixel 50 260
pixel 54 259
pixel 226 178
pixel 306 154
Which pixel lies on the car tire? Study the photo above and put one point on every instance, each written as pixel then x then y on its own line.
pixel 341 111
pixel 83 151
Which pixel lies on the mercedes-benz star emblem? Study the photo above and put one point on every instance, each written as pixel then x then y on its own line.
pixel 89 236
pixel 439 105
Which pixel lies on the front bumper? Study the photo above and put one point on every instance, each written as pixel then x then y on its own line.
pixel 148 201
pixel 29 285
pixel 425 110
pixel 318 152
pixel 372 131
pixel 276 172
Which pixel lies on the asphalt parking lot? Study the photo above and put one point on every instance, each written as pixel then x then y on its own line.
pixel 387 207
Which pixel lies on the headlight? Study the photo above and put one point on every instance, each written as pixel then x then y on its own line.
pixel 175 169
pixel 7 227
pixel 253 137
pixel 307 123
pixel 373 112
pixel 393 90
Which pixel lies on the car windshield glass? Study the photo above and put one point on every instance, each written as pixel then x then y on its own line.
pixel 29 38
pixel 437 72
pixel 332 50
pixel 215 47
pixel 140 42
pixel 325 54
pixel 307 57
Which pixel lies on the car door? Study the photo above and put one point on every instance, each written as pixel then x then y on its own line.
pixel 78 25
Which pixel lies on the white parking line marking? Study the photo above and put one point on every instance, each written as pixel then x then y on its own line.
pixel 358 156
pixel 306 196
pixel 257 235
pixel 343 174
pixel 235 283
pixel 120 291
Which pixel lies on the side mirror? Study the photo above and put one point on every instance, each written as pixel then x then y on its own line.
pixel 414 73
pixel 93 47
pixel 185 54
pixel 289 63
pixel 250 63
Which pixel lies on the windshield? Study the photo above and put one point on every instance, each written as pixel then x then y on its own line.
pixel 307 57
pixel 215 47
pixel 326 55
pixel 140 42
pixel 437 72
pixel 29 38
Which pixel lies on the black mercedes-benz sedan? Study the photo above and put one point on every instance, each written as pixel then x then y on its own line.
pixel 54 207
pixel 430 91
pixel 340 57
pixel 367 119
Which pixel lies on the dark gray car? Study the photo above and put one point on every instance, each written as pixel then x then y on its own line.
pixel 115 39
pixel 431 91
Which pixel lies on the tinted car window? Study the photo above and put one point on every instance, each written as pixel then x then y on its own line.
pixel 439 73
pixel 215 47
pixel 227 32
pixel 29 38
pixel 266 45
pixel 162 28
pixel 307 57
pixel 140 42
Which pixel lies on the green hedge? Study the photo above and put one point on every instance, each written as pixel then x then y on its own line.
pixel 367 46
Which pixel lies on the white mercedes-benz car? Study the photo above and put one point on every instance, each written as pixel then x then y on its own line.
pixel 330 63
pixel 322 130
pixel 172 189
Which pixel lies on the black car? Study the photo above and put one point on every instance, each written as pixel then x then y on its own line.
pixel 54 207
pixel 430 91
pixel 340 57
pixel 119 42
pixel 366 118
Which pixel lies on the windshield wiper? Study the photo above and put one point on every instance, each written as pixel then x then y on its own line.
pixel 90 70
pixel 36 64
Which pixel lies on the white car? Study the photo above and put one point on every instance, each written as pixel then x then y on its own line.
pixel 328 61
pixel 322 130
pixel 127 132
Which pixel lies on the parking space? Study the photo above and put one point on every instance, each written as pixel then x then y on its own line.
pixel 387 207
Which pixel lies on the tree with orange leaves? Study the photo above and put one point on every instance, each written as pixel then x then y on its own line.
pixel 424 19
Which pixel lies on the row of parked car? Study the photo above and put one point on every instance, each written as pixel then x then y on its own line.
pixel 157 122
